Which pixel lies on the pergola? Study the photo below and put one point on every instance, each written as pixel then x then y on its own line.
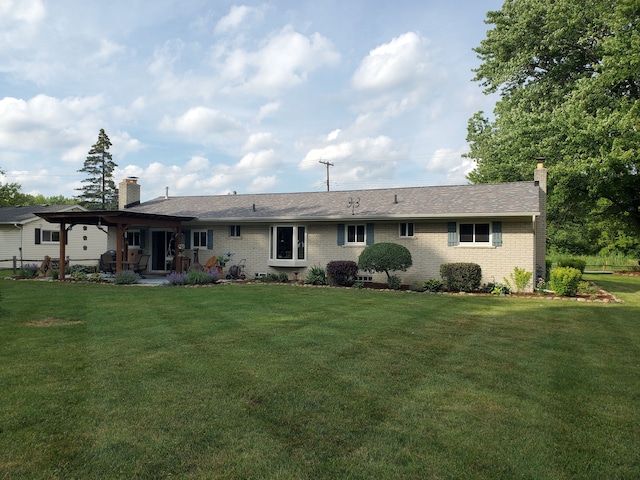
pixel 119 219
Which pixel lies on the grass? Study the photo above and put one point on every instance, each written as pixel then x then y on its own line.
pixel 281 382
pixel 614 261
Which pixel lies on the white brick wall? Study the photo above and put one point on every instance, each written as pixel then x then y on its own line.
pixel 429 249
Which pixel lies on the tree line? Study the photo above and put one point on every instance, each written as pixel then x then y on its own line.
pixel 568 77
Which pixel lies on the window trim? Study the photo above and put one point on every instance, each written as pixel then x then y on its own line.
pixel 50 233
pixel 494 234
pixel 355 226
pixel 200 233
pixel 294 261
pixel 133 233
pixel 409 232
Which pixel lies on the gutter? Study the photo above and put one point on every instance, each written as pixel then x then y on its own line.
pixel 349 218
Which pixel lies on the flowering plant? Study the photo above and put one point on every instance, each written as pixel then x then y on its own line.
pixel 225 257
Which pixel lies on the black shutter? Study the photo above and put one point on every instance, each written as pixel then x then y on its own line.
pixel 38 238
pixel 370 240
pixel 341 234
pixel 453 234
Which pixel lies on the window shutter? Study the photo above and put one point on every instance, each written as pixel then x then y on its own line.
pixel 66 236
pixel 209 239
pixel 497 234
pixel 341 234
pixel 143 238
pixel 38 237
pixel 370 240
pixel 187 239
pixel 453 234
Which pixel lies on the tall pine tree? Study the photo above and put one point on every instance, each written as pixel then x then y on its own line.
pixel 99 191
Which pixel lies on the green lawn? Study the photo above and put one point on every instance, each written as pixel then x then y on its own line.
pixel 283 382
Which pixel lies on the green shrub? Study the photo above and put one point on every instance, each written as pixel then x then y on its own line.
pixel 395 282
pixel 520 278
pixel 434 285
pixel 283 277
pixel 573 262
pixel 79 276
pixel 588 288
pixel 29 270
pixel 95 277
pixel 385 257
pixel 197 277
pixel 496 288
pixel 126 277
pixel 316 276
pixel 461 277
pixel 564 281
pixel 275 277
pixel 342 272
pixel 358 284
pixel 417 287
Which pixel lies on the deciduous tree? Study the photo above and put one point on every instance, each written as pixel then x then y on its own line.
pixel 568 75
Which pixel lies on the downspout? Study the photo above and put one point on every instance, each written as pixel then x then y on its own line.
pixel 21 228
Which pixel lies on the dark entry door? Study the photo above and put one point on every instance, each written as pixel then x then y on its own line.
pixel 161 246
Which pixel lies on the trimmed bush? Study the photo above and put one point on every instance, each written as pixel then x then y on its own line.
pixel 461 277
pixel 316 276
pixel 564 281
pixel 573 262
pixel 417 287
pixel 385 257
pixel 342 272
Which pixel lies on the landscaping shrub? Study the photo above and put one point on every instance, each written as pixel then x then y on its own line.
pixel 461 277
pixel 433 285
pixel 564 281
pixel 126 277
pixel 385 257
pixel 573 262
pixel 316 276
pixel 175 278
pixel 95 277
pixel 394 282
pixel 520 279
pixel 275 278
pixel 29 270
pixel 199 277
pixel 79 276
pixel 342 272
pixel 496 288
pixel 417 287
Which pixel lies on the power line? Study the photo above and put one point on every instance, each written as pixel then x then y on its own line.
pixel 328 165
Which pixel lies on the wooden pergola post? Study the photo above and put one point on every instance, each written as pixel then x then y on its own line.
pixel 63 242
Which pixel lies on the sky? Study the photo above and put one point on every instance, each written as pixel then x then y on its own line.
pixel 214 97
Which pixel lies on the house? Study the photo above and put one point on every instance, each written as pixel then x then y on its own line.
pixel 27 237
pixel 498 226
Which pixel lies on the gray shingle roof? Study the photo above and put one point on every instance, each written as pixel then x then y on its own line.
pixel 506 199
pixel 26 214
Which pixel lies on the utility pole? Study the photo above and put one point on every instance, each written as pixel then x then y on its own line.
pixel 328 165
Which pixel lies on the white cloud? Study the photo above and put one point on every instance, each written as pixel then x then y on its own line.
pixel 19 21
pixel 451 163
pixel 256 162
pixel 401 61
pixel 236 16
pixel 196 163
pixel 257 141
pixel 263 184
pixel 44 122
pixel 333 135
pixel 284 61
pixel 267 110
pixel 202 124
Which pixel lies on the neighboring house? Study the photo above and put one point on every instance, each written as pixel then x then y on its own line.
pixel 498 226
pixel 27 237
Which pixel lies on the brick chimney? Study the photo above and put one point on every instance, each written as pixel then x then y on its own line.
pixel 540 179
pixel 128 193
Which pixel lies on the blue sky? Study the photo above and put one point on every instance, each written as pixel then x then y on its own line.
pixel 213 97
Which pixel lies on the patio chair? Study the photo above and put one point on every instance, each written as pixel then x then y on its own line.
pixel 107 263
pixel 141 264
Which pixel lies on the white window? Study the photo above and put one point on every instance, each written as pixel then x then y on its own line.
pixel 474 233
pixel 406 230
pixel 234 230
pixel 199 239
pixel 356 234
pixel 133 238
pixel 50 236
pixel 287 245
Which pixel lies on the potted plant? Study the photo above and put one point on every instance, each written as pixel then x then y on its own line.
pixel 224 258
